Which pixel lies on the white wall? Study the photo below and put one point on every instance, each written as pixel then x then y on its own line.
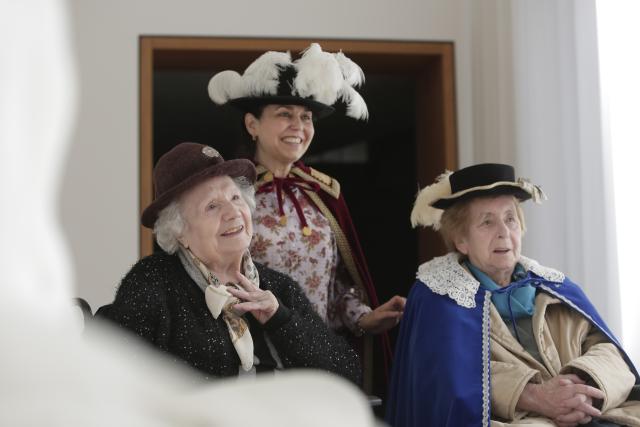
pixel 100 196
pixel 526 88
pixel 559 144
pixel 618 34
pixel 536 104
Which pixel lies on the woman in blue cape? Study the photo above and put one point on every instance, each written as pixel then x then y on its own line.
pixel 490 337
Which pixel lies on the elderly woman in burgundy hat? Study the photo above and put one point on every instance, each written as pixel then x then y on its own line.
pixel 491 337
pixel 202 299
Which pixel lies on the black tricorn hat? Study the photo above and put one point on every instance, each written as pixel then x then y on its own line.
pixel 317 80
pixel 486 179
pixel 186 165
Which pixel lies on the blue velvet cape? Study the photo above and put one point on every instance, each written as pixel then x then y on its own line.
pixel 441 367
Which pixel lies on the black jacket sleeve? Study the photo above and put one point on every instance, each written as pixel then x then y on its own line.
pixel 140 305
pixel 300 336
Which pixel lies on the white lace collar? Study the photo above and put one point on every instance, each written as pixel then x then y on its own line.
pixel 446 276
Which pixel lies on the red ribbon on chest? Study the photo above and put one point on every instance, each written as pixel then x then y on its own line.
pixel 285 186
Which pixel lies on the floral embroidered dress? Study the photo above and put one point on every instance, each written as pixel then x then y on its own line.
pixel 305 248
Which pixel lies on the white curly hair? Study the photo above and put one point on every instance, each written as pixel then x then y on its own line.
pixel 170 223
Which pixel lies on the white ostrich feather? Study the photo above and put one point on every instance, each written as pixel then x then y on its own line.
pixel 423 213
pixel 226 85
pixel 356 107
pixel 319 75
pixel 322 76
pixel 351 71
pixel 261 77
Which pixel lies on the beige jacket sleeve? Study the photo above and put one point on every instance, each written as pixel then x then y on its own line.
pixel 507 382
pixel 602 361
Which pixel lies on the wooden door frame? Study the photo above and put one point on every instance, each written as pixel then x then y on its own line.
pixel 432 63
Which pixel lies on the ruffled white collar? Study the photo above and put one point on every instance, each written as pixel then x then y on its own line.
pixel 446 276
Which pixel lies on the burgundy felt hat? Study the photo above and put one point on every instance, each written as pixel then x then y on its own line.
pixel 186 165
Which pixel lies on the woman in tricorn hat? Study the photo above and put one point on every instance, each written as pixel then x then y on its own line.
pixel 302 225
pixel 492 337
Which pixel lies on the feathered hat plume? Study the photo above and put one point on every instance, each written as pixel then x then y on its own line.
pixel 226 85
pixel 262 76
pixel 319 75
pixel 423 213
pixel 353 77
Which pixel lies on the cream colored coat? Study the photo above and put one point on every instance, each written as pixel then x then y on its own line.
pixel 567 342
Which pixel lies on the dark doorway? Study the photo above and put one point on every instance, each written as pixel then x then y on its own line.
pixel 409 139
pixel 374 161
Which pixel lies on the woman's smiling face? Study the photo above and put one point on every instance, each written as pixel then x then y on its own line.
pixel 283 133
pixel 493 237
pixel 218 226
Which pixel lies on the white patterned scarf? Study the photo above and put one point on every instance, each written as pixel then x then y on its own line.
pixel 220 301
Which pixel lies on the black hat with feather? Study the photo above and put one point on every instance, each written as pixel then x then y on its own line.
pixel 317 80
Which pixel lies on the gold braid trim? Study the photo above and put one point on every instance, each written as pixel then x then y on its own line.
pixel 343 244
pixel 261 171
pixel 326 183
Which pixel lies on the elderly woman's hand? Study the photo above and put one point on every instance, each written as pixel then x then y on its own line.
pixel 383 317
pixel 261 304
pixel 565 399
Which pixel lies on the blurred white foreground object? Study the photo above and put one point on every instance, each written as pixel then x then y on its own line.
pixel 49 375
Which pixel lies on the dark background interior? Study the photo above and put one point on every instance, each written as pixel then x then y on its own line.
pixel 374 161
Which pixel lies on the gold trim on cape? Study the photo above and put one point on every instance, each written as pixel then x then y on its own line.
pixel 343 245
pixel 329 185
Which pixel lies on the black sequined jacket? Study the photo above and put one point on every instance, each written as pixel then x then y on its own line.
pixel 160 302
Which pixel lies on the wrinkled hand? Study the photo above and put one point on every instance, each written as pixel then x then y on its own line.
pixel 261 304
pixel 575 417
pixel 565 399
pixel 384 317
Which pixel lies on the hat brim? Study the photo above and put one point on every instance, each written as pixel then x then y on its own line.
pixel 248 104
pixel 495 189
pixel 232 168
